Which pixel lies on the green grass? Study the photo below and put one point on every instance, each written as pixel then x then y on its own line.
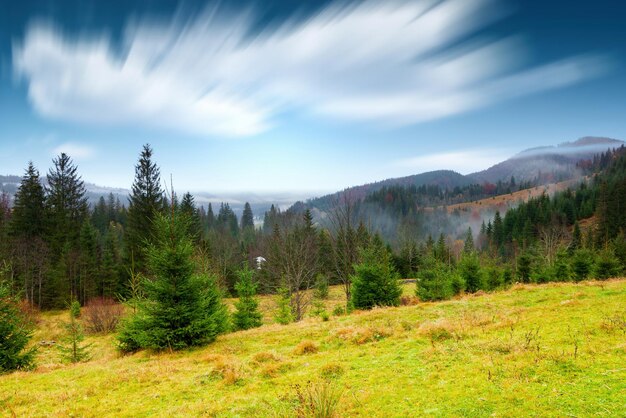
pixel 547 350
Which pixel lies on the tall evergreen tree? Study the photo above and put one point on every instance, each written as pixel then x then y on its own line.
pixel 247 218
pixel 66 204
pixel 145 202
pixel 28 215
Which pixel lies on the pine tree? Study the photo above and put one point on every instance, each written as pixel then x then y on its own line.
pixel 15 333
pixel 146 201
pixel 247 314
pixel 180 309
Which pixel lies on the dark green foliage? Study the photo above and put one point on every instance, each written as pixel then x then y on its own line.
pixel 247 313
pixel 247 218
pixel 28 215
pixel 470 272
pixel 561 271
pixel 582 264
pixel 227 220
pixel 66 204
pixel 188 208
pixel 493 278
pixel 468 245
pixel 15 333
pixel 607 265
pixel 180 309
pixel 435 283
pixel 375 281
pixel 524 268
pixel 146 201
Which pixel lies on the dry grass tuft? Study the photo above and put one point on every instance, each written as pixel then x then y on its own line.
pixel 228 370
pixel 264 357
pixel 306 347
pixel 363 335
pixel 275 369
pixel 331 370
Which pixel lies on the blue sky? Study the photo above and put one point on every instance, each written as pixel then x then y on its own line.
pixel 303 96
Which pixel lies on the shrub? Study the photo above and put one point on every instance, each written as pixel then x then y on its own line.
pixel 375 282
pixel 339 310
pixel 102 315
pixel 15 333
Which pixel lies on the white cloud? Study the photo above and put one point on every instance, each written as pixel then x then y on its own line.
pixel 75 150
pixel 463 161
pixel 389 63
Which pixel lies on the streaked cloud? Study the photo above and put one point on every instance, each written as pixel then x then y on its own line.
pixel 387 63
pixel 75 150
pixel 463 161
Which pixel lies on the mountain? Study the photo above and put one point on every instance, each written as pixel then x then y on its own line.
pixel 444 178
pixel 542 165
pixel 549 164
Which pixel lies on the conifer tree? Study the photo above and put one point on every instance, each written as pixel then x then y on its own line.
pixel 28 214
pixel 247 314
pixel 145 202
pixel 71 347
pixel 188 207
pixel 180 309
pixel 375 281
pixel 66 203
pixel 247 218
pixel 15 333
pixel 468 246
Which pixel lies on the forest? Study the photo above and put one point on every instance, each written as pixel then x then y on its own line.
pixel 158 250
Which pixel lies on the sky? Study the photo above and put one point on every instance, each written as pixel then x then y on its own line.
pixel 306 96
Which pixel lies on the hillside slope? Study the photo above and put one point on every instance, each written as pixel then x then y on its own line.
pixel 548 350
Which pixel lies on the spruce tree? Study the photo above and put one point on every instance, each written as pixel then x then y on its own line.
pixel 470 273
pixel 247 313
pixel 15 333
pixel 28 215
pixel 179 309
pixel 375 281
pixel 468 246
pixel 247 218
pixel 66 204
pixel 145 202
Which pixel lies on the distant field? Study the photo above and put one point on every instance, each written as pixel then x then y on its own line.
pixel 535 350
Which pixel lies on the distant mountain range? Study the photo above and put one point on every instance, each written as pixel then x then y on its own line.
pixel 549 163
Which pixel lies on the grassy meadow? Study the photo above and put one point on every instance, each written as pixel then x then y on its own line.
pixel 556 349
